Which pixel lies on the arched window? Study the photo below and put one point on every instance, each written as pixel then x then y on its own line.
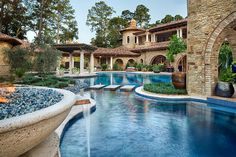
pixel 127 39
pixel 135 40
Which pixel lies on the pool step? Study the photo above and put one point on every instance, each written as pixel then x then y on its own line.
pixel 127 88
pixel 112 87
pixel 97 87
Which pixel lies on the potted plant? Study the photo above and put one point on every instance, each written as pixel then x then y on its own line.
pixel 234 66
pixel 224 87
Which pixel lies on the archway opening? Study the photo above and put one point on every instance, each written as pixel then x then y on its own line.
pixel 158 60
pixel 182 64
pixel 120 63
pixel 225 34
pixel 131 62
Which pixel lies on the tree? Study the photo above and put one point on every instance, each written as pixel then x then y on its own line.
pixel 127 16
pixel 13 18
pixel 114 27
pixel 176 46
pixel 178 17
pixel 19 60
pixel 98 19
pixel 52 21
pixel 46 59
pixel 141 15
pixel 154 24
pixel 167 19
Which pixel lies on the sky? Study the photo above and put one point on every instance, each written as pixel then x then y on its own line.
pixel 158 9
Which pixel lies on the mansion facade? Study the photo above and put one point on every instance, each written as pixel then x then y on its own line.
pixel 146 46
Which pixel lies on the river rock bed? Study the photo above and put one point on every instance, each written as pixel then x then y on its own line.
pixel 27 100
pixel 80 84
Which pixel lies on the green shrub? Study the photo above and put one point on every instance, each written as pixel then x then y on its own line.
pixel 164 88
pixel 19 60
pixel 149 67
pixel 61 85
pixel 19 72
pixel 227 76
pixel 176 45
pixel 48 80
pixel 115 66
pixel 104 67
pixel 46 60
pixel 140 67
pixel 159 68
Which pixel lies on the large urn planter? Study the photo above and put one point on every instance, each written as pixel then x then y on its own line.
pixel 224 89
pixel 234 68
pixel 21 133
pixel 179 80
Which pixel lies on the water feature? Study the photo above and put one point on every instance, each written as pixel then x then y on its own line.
pixel 127 125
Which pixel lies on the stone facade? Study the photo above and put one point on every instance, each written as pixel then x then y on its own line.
pixel 4 67
pixel 209 25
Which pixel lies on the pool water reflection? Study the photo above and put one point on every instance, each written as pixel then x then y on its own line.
pixel 125 125
pixel 130 78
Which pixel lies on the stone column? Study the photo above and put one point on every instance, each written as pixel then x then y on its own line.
pixel 81 62
pixel 70 63
pixel 147 39
pixel 111 63
pixel 91 63
pixel 178 33
pixel 181 33
pixel 153 38
pixel 137 40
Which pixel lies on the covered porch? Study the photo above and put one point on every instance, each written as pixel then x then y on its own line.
pixel 77 56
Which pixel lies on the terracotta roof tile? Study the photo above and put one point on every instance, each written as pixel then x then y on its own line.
pixel 119 52
pixel 12 40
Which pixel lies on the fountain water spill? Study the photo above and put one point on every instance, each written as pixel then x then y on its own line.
pixel 86 113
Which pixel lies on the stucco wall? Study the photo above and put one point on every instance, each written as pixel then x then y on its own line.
pixel 131 43
pixel 206 20
pixel 4 67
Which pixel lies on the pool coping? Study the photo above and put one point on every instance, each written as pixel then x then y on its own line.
pixel 180 98
pixel 136 72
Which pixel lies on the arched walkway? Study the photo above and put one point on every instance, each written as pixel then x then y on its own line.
pixel 226 30
pixel 158 59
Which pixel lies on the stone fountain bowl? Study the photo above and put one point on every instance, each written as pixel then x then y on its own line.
pixel 22 133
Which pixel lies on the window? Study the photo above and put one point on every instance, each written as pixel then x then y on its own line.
pixel 135 40
pixel 127 39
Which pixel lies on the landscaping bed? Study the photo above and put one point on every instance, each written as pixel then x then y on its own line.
pixel 164 88
pixel 48 81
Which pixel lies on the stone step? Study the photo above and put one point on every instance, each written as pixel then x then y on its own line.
pixel 112 87
pixel 97 87
pixel 127 88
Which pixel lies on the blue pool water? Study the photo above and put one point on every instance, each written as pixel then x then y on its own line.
pixel 125 125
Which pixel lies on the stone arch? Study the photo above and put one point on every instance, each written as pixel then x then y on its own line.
pixel 120 62
pixel 212 49
pixel 158 59
pixel 181 63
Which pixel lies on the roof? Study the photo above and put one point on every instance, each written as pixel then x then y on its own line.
pixel 116 52
pixel 169 25
pixel 154 47
pixel 73 47
pixel 9 39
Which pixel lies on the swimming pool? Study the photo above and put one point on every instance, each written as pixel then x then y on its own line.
pixel 125 125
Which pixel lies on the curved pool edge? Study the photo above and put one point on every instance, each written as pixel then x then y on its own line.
pixel 140 92
pixel 184 98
